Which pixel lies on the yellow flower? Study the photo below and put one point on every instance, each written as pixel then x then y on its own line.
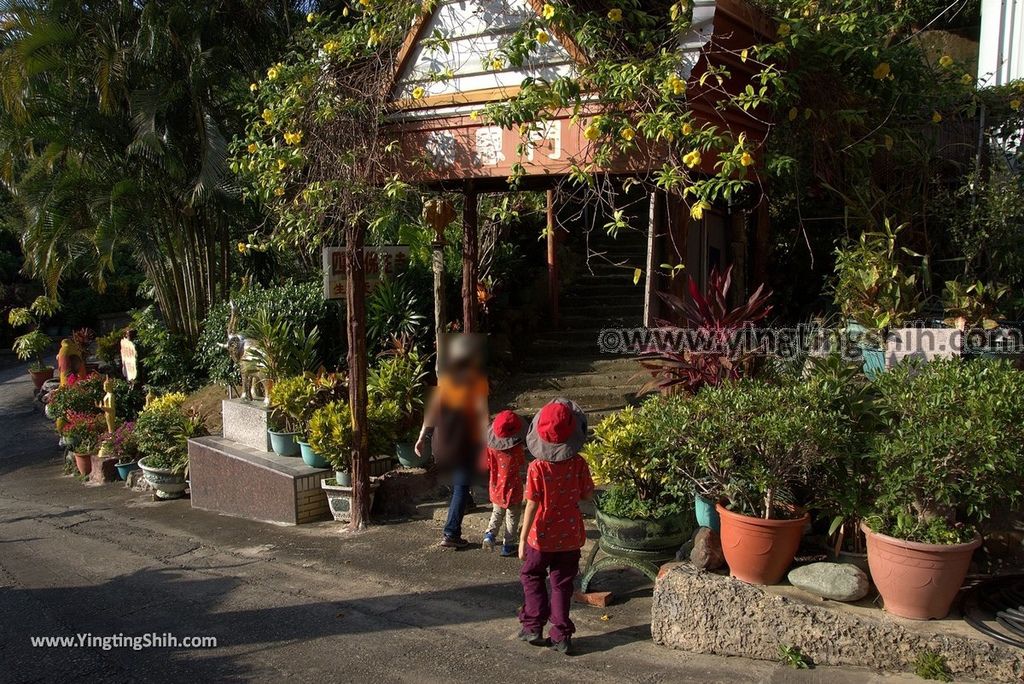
pixel 278 191
pixel 882 70
pixel 967 79
pixel 273 72
pixel 627 133
pixel 293 138
pixel 281 164
pixel 687 128
pixel 676 84
pixel 543 37
pixel 418 92
pixel 793 112
pixel 747 159
pixel 268 116
pixel 615 14
pixel 374 37
pixel 945 61
pixel 784 30
pixel 936 117
pixel 547 11
pixel 252 148
pixel 241 248
pixel 344 12
pixel 692 159
pixel 331 46
pixel 474 115
pixel 698 209
pixel 1014 104
pixel 310 18
pixel 592 132
pixel 253 87
pixel 497 63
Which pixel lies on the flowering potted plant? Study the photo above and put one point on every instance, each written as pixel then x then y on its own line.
pixel 82 433
pixel 953 450
pixel 122 446
pixel 162 432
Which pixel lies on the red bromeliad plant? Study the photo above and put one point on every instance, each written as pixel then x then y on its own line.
pixel 709 349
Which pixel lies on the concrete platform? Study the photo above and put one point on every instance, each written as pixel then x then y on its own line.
pixel 233 479
pixel 246 422
pixel 708 613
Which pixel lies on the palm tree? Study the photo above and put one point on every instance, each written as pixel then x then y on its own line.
pixel 117 116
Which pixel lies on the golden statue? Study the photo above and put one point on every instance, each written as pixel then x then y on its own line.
pixel 69 360
pixel 108 405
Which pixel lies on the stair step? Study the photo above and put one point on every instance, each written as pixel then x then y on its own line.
pixel 575 298
pixel 630 378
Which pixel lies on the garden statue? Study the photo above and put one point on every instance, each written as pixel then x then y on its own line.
pixel 108 406
pixel 239 350
pixel 69 361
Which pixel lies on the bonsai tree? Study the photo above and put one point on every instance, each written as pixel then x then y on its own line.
pixel 953 450
pixel 33 343
pixel 871 286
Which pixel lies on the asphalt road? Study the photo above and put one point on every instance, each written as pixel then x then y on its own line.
pixel 309 604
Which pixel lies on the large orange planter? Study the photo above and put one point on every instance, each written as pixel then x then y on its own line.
pixel 917 581
pixel 759 550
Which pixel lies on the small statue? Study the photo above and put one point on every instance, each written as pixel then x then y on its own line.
pixel 69 361
pixel 108 405
pixel 240 350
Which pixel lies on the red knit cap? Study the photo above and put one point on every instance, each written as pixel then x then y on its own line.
pixel 507 424
pixel 556 423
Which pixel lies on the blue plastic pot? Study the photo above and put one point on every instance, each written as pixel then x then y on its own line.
pixel 284 443
pixel 310 457
pixel 706 514
pixel 124 468
pixel 874 361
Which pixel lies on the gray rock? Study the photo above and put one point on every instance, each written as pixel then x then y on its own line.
pixel 138 482
pixel 836 581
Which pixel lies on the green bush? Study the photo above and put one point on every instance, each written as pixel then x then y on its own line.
pixel 292 402
pixel 84 395
pixel 162 432
pixel 166 358
pixel 399 376
pixel 330 431
pixel 301 303
pixel 952 450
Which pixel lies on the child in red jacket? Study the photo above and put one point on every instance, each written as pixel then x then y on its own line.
pixel 553 531
pixel 504 458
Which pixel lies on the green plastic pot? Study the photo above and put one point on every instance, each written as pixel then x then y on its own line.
pixel 310 457
pixel 284 443
pixel 406 453
pixel 642 538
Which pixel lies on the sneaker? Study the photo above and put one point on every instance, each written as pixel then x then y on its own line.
pixel 454 543
pixel 533 638
pixel 488 541
pixel 509 550
pixel 563 646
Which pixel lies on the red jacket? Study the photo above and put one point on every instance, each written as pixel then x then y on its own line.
pixel 506 475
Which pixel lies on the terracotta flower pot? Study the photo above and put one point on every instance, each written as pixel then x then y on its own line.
pixel 41 376
pixel 917 581
pixel 83 462
pixel 759 550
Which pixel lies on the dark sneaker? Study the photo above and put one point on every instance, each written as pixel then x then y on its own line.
pixel 563 646
pixel 454 543
pixel 509 550
pixel 488 544
pixel 533 638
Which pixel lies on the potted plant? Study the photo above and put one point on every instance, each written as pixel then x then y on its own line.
pixel 162 432
pixel 122 446
pixel 83 339
pixel 290 400
pixel 279 348
pixel 82 433
pixel 975 310
pixel 398 377
pixel 759 443
pixel 640 513
pixel 953 450
pixel 35 342
pixel 874 292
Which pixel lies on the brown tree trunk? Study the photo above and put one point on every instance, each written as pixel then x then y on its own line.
pixel 355 300
pixel 469 260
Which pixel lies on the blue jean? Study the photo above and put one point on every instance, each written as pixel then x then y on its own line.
pixel 462 478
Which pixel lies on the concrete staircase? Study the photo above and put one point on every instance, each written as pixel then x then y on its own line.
pixel 569 362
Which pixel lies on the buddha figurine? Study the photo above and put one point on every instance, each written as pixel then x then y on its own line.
pixel 69 360
pixel 108 404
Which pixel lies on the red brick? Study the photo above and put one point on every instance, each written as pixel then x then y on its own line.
pixel 594 598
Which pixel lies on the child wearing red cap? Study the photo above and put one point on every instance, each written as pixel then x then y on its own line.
pixel 504 459
pixel 553 532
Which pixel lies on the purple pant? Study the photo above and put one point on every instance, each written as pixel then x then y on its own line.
pixel 561 568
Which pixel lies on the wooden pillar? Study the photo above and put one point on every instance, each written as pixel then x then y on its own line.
pixel 656 222
pixel 553 277
pixel 438 214
pixel 762 236
pixel 469 260
pixel 355 300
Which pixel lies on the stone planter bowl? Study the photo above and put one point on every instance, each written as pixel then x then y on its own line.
pixel 167 483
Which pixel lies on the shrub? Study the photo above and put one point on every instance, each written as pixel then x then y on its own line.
pixel 162 432
pixel 165 357
pixel 953 448
pixel 399 376
pixel 108 347
pixel 393 309
pixel 83 396
pixel 281 348
pixel 82 431
pixel 302 303
pixel 330 431
pixel 292 402
pixel 121 443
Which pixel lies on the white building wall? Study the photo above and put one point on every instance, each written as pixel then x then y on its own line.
pixel 1001 49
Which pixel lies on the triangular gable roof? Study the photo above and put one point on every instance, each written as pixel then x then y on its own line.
pixel 474 30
